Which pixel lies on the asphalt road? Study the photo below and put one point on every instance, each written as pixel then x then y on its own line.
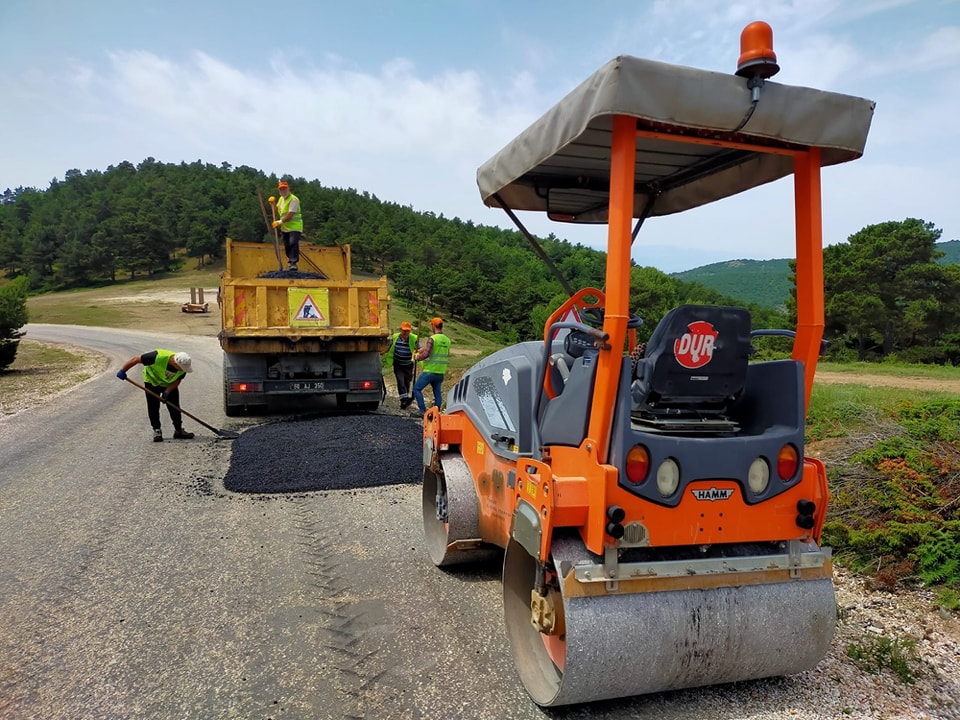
pixel 135 585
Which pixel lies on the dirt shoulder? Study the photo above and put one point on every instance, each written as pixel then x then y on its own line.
pixel 909 383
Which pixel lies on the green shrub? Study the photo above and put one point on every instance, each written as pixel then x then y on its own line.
pixel 938 555
pixel 874 654
pixel 920 355
pixel 949 599
pixel 13 316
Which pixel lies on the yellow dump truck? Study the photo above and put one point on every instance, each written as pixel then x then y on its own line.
pixel 290 339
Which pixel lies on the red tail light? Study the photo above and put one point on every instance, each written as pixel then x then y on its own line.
pixel 243 387
pixel 787 462
pixel 638 464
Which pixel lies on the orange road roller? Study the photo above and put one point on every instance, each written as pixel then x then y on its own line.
pixel 659 522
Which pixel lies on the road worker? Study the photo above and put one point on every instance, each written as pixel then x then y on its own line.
pixel 403 348
pixel 163 371
pixel 435 357
pixel 290 222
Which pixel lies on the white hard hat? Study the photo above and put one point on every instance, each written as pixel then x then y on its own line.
pixel 183 360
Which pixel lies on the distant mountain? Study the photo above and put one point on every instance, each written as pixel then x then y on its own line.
pixel 764 282
pixel 951 252
pixel 767 282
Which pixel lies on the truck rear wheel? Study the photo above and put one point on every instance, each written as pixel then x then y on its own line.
pixel 228 409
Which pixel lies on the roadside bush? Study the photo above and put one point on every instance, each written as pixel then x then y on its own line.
pixel 840 353
pixel 896 515
pixel 919 355
pixel 13 316
pixel 899 655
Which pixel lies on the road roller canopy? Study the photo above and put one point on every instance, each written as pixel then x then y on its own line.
pixel 561 163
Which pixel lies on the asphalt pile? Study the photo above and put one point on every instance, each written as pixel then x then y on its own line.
pixel 293 275
pixel 332 452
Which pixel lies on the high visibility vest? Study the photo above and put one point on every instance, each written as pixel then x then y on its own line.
pixel 159 373
pixel 297 222
pixel 411 341
pixel 439 355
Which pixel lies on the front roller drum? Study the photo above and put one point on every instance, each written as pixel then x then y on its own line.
pixel 620 645
pixel 451 515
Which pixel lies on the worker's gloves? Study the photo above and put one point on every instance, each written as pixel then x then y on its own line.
pixel 163 397
pixel 122 374
pixel 276 223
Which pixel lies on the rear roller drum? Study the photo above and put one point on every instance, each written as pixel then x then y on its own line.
pixel 451 515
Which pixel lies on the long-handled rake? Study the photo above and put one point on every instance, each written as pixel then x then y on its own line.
pixel 225 434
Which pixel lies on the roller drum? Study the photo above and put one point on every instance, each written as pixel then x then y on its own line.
pixel 455 540
pixel 633 644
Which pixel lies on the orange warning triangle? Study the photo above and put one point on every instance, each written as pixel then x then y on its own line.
pixel 309 311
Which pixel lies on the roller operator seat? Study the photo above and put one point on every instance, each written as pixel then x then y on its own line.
pixel 695 363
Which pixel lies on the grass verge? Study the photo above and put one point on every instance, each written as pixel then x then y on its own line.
pixel 40 371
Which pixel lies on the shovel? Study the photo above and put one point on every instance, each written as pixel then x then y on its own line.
pixel 273 212
pixel 225 434
pixel 276 233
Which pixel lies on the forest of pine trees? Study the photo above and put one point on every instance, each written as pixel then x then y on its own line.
pixel 885 293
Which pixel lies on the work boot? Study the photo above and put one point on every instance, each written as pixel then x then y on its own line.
pixel 157 435
pixel 292 266
pixel 181 434
pixel 405 403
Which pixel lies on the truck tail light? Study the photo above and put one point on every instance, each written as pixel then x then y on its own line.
pixel 365 385
pixel 244 387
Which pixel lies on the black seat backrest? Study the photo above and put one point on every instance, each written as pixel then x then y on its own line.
pixel 696 359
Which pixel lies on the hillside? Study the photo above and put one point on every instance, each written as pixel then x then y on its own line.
pixel 767 282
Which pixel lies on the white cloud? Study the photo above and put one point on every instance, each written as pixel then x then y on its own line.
pixel 414 132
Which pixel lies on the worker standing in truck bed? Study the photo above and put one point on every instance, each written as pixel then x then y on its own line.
pixel 290 222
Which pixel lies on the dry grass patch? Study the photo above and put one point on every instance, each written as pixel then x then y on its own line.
pixel 41 371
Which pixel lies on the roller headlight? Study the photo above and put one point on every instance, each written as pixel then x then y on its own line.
pixel 668 477
pixel 758 476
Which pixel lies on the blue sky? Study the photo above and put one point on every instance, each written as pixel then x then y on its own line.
pixel 407 99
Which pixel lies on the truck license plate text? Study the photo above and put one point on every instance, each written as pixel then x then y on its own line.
pixel 307 386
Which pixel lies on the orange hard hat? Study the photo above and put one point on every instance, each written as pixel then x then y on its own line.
pixel 283 184
pixel 437 321
pixel 406 326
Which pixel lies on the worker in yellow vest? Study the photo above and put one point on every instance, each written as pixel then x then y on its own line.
pixel 435 357
pixel 290 222
pixel 163 371
pixel 403 347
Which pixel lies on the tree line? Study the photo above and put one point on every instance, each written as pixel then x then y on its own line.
pixel 887 297
pixel 128 221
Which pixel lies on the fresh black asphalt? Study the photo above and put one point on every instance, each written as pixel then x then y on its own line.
pixel 329 452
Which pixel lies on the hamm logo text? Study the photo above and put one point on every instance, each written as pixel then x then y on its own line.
pixel 713 494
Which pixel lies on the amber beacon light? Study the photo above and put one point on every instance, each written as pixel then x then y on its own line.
pixel 757 58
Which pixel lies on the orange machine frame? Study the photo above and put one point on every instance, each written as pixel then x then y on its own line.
pixel 577 501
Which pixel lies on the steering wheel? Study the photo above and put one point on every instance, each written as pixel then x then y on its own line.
pixel 594 318
pixel 577 342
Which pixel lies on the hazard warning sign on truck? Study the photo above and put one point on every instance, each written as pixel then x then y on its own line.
pixel 309 307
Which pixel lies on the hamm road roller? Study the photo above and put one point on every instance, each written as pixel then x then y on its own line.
pixel 659 522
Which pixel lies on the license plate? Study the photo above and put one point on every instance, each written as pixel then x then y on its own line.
pixel 311 385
